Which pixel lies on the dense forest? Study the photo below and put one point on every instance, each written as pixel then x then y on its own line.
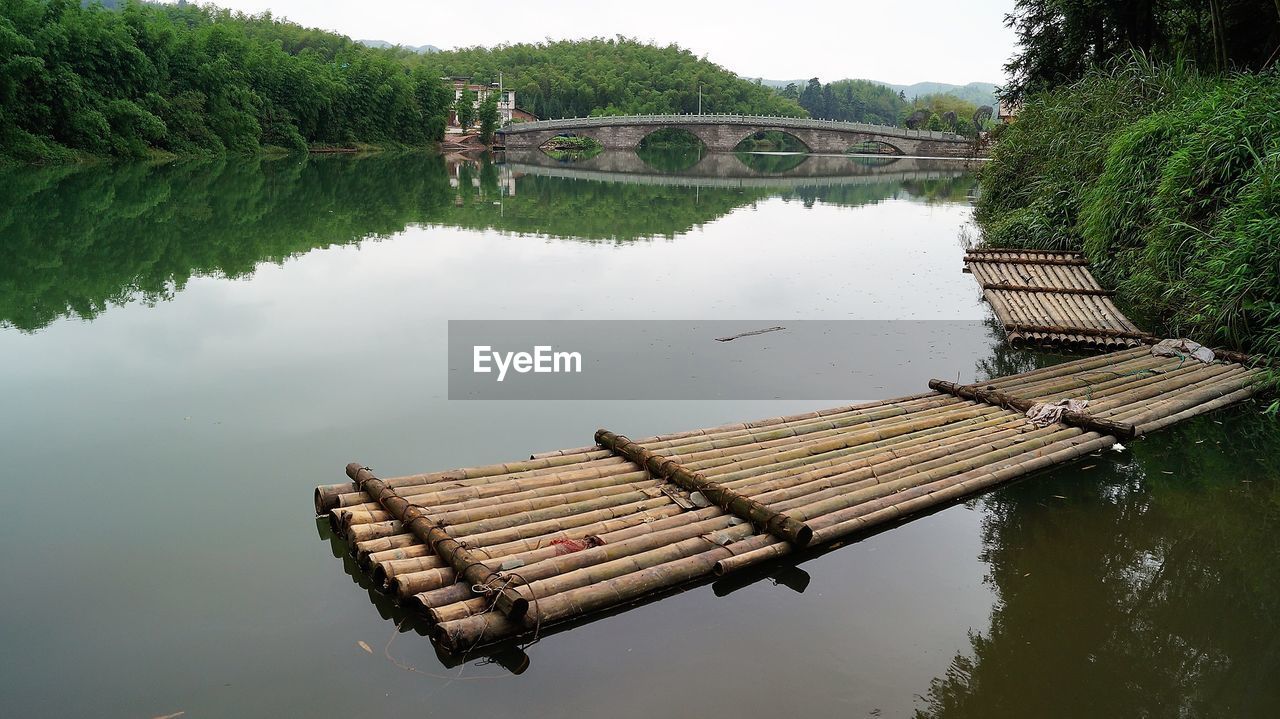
pixel 872 102
pixel 187 79
pixel 1167 174
pixel 618 76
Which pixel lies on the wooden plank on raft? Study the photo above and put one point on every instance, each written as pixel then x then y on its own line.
pixel 1027 260
pixel 997 398
pixel 1021 251
pixel 1072 330
pixel 1054 290
pixel 774 522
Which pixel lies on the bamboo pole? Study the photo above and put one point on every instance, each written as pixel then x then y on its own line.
pixel 1034 289
pixel 839 525
pixel 748 509
pixel 1000 399
pixel 1060 329
pixel 469 566
pixel 971 259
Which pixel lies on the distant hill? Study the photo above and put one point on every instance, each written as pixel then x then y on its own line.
pixel 979 93
pixel 420 49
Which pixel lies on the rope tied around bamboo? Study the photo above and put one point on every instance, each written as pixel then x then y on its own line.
pixel 464 562
pixel 774 522
pixel 997 398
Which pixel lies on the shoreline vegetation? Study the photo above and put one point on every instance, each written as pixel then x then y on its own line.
pixel 1168 179
pixel 1147 138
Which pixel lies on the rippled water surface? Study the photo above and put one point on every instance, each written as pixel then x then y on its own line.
pixel 187 349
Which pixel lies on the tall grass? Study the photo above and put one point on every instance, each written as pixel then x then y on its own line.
pixel 1168 180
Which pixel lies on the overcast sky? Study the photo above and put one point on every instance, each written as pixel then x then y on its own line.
pixel 898 42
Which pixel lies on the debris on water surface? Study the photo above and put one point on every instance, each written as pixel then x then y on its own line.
pixel 752 333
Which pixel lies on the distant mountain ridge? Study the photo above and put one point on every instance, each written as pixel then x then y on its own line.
pixel 420 49
pixel 979 93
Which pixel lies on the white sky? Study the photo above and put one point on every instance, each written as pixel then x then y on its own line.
pixel 891 41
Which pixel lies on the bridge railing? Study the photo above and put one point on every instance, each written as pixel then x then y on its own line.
pixel 778 121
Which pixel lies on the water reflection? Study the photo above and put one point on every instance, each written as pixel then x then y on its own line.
pixel 1147 585
pixel 78 240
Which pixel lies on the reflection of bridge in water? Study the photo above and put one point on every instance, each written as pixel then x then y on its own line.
pixel 727 170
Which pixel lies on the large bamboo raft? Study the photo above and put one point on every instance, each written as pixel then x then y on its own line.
pixel 509 549
pixel 1050 298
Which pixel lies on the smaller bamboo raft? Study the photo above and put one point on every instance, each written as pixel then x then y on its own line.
pixel 1050 298
pixel 503 550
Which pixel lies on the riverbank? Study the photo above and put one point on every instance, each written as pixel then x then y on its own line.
pixel 1168 180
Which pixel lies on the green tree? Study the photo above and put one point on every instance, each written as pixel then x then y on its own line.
pixel 1059 40
pixel 465 109
pixel 811 98
pixel 608 76
pixel 133 78
pixel 489 118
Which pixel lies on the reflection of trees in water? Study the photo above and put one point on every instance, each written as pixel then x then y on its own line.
pixel 1136 585
pixel 77 239
pixel 671 159
pixel 767 164
pixel 938 190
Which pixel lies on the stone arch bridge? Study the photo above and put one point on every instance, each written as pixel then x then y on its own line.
pixel 722 133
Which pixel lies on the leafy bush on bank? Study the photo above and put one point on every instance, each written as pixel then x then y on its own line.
pixel 1168 180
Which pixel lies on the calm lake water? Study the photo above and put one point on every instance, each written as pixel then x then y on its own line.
pixel 187 350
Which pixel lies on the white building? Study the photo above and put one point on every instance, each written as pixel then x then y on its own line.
pixel 506 98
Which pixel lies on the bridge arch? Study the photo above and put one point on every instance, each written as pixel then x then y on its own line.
pixel 873 146
pixel 763 132
pixel 672 132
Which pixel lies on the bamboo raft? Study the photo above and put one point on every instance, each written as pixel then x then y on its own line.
pixel 1050 298
pixel 504 550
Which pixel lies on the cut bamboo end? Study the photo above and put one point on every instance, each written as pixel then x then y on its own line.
pixel 326 496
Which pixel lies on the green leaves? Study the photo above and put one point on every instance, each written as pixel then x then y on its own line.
pixel 196 80
pixel 1169 181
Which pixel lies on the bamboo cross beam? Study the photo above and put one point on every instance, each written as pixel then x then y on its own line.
pixel 1022 251
pixel 1079 261
pixel 1067 330
pixel 1055 290
pixel 468 566
pixel 997 398
pixel 774 522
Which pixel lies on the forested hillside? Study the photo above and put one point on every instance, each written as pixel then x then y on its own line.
pixel 185 79
pixel 873 102
pixel 613 77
